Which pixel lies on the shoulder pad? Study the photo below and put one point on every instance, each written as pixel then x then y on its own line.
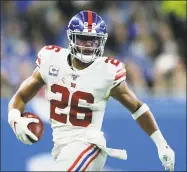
pixel 118 70
pixel 112 61
pixel 45 52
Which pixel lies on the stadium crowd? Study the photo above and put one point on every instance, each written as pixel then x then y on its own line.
pixel 148 36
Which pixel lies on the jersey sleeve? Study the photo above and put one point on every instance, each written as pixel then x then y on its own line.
pixel 42 62
pixel 40 57
pixel 116 74
pixel 120 74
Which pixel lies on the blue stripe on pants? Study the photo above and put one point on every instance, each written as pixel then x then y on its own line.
pixel 85 159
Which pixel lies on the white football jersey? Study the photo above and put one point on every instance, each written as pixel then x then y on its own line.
pixel 77 98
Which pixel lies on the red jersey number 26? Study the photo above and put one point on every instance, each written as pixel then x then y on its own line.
pixel 56 106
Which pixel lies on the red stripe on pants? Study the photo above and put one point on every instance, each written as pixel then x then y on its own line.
pixel 79 157
pixel 91 160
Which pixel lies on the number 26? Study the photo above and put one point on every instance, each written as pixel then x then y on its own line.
pixel 74 108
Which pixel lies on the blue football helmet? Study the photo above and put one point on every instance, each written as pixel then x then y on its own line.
pixel 87 36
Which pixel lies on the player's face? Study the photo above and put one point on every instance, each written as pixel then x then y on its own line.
pixel 88 43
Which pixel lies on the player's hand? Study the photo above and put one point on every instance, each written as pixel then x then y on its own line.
pixel 167 157
pixel 21 130
pixel 19 125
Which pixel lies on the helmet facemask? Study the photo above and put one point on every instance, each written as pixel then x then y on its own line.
pixel 86 54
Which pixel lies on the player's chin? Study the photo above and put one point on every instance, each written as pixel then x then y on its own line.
pixel 88 54
pixel 86 51
pixel 82 62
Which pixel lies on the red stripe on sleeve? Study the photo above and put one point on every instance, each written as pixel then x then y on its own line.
pixel 120 75
pixel 39 60
pixel 89 21
pixel 120 70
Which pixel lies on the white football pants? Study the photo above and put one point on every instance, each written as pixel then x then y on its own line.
pixel 79 156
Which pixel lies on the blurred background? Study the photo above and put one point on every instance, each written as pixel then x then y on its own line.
pixel 148 36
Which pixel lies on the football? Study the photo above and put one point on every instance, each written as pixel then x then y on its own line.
pixel 36 128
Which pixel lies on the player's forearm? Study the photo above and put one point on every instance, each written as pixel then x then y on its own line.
pixel 17 102
pixel 147 123
pixel 27 90
pixel 16 107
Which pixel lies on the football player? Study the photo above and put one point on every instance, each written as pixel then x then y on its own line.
pixel 79 80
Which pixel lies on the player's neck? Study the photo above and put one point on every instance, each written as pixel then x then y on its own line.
pixel 78 64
